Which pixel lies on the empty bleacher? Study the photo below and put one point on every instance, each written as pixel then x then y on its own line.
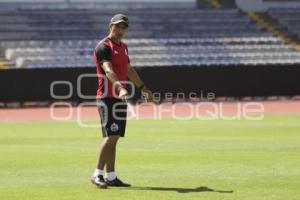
pixel 156 52
pixel 92 24
pixel 60 36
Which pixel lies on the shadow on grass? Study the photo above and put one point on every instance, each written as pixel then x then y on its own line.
pixel 180 190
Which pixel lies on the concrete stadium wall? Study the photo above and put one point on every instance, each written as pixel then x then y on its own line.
pixel 34 84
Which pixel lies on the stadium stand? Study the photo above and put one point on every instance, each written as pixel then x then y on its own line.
pixel 184 35
pixel 252 45
pixel 158 52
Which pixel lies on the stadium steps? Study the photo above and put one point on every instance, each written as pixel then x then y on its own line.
pixel 292 37
pixel 215 3
pixel 269 24
pixel 275 23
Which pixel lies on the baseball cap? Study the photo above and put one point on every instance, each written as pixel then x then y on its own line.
pixel 118 18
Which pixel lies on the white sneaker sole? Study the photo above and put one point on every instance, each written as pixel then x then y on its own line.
pixel 102 186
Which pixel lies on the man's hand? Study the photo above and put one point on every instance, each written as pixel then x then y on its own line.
pixel 123 93
pixel 147 95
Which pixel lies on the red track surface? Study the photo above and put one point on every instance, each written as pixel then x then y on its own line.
pixel 143 111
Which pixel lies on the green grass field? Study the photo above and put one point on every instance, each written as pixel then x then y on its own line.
pixel 207 160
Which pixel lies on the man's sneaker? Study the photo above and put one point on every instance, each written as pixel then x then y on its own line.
pixel 99 181
pixel 116 183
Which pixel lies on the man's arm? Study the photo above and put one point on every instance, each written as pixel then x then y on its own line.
pixel 113 78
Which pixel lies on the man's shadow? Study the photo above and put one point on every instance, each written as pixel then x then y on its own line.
pixel 180 190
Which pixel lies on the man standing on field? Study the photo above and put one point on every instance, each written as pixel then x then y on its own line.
pixel 113 67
